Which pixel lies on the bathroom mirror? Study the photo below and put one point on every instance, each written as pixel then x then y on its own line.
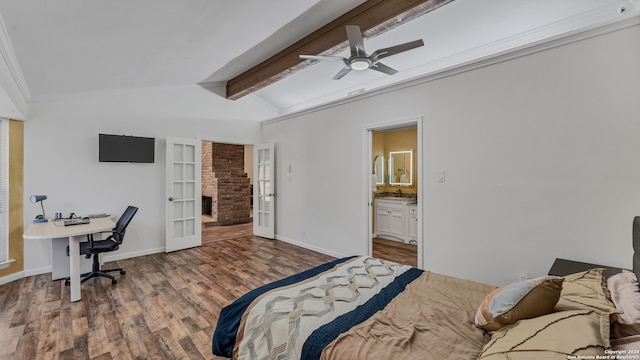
pixel 401 168
pixel 378 170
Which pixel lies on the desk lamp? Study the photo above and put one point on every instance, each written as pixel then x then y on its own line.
pixel 39 198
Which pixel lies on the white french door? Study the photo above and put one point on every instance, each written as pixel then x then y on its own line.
pixel 263 190
pixel 183 194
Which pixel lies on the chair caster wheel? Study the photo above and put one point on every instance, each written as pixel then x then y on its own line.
pixel 122 272
pixel 67 282
pixel 114 281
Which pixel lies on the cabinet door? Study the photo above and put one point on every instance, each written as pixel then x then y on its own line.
pixel 396 222
pixel 382 220
pixel 413 227
pixel 412 230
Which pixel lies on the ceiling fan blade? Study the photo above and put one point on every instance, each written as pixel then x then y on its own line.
pixel 345 70
pixel 323 58
pixel 383 53
pixel 356 42
pixel 383 68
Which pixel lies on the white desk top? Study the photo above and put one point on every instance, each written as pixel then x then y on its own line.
pixel 56 229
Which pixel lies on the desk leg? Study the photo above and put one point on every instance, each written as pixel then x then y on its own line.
pixel 74 266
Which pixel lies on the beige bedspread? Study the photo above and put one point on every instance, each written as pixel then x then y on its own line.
pixel 432 319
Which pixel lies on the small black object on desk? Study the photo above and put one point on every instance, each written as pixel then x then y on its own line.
pixel 563 267
pixel 71 222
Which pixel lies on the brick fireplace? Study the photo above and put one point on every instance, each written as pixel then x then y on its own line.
pixel 225 185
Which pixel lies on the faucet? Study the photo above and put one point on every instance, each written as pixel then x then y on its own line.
pixel 399 191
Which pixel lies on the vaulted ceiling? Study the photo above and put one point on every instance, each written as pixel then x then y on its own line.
pixel 55 48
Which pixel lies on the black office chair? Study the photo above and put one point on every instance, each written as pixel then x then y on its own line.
pixel 111 243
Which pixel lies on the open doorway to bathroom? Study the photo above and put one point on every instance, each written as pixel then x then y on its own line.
pixel 227 173
pixel 395 224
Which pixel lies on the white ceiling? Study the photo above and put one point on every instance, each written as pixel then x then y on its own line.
pixel 77 46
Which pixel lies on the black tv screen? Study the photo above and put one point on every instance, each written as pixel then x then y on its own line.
pixel 123 148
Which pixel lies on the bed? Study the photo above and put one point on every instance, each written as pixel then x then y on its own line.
pixel 368 308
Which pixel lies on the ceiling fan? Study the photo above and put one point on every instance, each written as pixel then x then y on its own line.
pixel 359 60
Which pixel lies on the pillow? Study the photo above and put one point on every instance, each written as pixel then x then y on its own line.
pixel 625 294
pixel 519 300
pixel 551 336
pixel 588 290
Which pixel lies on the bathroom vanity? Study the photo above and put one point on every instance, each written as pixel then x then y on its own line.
pixel 396 218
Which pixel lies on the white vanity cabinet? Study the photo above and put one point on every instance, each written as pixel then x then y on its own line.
pixel 392 219
pixel 412 224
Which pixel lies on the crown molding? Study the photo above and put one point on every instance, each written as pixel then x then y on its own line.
pixel 112 93
pixel 9 56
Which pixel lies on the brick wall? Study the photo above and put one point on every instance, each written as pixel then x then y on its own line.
pixel 224 180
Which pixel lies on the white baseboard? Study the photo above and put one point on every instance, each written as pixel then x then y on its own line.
pixel 311 247
pixel 47 269
pixel 23 274
pixel 9 278
pixel 122 256
pixel 37 271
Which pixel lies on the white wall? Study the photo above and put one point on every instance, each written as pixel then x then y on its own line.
pixel 541 154
pixel 61 155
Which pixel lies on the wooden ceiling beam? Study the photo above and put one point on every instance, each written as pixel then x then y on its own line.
pixel 374 18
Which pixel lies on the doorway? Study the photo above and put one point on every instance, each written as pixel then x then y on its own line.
pixel 227 172
pixel 394 176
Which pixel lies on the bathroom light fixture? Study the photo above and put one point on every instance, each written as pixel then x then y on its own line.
pixel 40 199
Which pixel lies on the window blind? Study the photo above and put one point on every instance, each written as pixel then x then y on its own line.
pixel 4 192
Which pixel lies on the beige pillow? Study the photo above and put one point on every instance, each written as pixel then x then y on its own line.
pixel 588 290
pixel 519 300
pixel 551 336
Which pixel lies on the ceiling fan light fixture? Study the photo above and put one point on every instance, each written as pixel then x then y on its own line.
pixel 360 64
pixel 359 60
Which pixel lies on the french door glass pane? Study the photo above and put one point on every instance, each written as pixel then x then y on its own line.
pixel 190 172
pixel 177 228
pixel 177 171
pixel 178 210
pixel 189 207
pixel 178 153
pixel 189 227
pixel 189 153
pixel 190 191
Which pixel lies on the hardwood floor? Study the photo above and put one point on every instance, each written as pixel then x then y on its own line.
pixel 395 251
pixel 165 307
pixel 218 233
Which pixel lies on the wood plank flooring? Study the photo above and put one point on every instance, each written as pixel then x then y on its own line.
pixel 165 307
pixel 395 251
pixel 218 233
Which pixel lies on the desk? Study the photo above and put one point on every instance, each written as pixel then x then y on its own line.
pixel 75 233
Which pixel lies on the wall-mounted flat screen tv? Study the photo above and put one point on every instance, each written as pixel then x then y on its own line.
pixel 123 148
